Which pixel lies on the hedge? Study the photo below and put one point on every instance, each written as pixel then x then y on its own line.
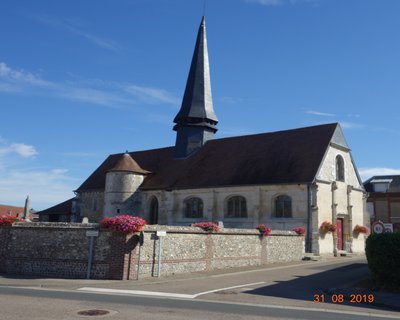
pixel 383 255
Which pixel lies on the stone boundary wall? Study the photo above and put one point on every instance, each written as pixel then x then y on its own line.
pixel 62 250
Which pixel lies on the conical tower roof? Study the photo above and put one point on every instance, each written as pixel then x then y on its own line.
pixel 126 164
pixel 197 106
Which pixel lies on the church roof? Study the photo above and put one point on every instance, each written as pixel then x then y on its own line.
pixel 127 164
pixel 63 208
pixel 197 101
pixel 290 156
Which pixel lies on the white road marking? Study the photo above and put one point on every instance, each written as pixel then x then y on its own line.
pixel 228 288
pixel 163 294
pixel 139 292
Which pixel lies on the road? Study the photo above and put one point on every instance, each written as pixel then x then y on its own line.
pixel 282 292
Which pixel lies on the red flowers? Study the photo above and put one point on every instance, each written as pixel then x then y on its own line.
pixel 327 226
pixel 124 224
pixel 264 230
pixel 9 220
pixel 300 230
pixel 360 229
pixel 206 226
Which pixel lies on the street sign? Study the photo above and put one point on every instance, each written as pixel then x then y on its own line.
pixel 161 233
pixel 388 227
pixel 378 227
pixel 92 233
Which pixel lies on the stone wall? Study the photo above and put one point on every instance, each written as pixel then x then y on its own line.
pixel 62 250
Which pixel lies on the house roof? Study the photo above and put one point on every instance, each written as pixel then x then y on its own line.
pixel 63 208
pixel 6 210
pixel 394 181
pixel 290 156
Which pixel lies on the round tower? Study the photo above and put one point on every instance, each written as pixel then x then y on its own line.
pixel 122 181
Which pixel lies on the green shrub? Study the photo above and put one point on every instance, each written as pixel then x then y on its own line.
pixel 383 254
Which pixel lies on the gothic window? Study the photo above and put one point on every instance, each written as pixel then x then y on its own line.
pixel 283 207
pixel 339 168
pixel 193 208
pixel 236 207
pixel 94 204
pixel 153 210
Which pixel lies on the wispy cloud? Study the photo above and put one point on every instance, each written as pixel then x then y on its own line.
pixel 74 28
pixel 21 149
pixel 322 114
pixel 111 94
pixel 45 187
pixel 13 76
pixel 351 125
pixel 367 173
pixel 280 2
pixel 152 95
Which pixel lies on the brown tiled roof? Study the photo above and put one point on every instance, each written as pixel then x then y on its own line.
pixel 63 208
pixel 6 210
pixel 126 163
pixel 291 156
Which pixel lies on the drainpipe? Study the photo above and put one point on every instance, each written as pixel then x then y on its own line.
pixel 308 247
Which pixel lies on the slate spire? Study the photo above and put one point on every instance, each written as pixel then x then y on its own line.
pixel 196 120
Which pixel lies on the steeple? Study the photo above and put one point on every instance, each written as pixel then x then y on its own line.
pixel 196 120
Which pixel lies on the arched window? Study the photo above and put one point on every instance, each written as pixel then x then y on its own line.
pixel 283 207
pixel 236 207
pixel 153 210
pixel 339 168
pixel 193 208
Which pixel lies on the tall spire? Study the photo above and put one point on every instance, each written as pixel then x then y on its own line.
pixel 196 120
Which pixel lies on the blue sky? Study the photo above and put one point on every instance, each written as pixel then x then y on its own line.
pixel 80 80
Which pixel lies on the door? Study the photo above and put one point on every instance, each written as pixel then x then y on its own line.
pixel 154 211
pixel 339 233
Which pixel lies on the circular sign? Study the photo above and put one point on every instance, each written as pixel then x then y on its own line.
pixel 378 227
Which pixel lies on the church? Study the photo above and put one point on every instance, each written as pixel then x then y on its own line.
pixel 294 178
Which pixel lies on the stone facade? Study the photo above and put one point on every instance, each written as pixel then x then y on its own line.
pixel 62 250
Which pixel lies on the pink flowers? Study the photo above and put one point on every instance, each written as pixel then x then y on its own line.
pixel 264 230
pixel 207 226
pixel 124 224
pixel 9 220
pixel 300 230
pixel 360 229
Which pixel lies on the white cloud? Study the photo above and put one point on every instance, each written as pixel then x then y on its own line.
pixel 152 95
pixel 367 173
pixel 96 92
pixel 323 114
pixel 22 149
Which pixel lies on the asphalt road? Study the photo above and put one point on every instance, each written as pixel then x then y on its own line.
pixel 275 292
pixel 45 304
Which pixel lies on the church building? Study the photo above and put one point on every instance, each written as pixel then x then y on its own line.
pixel 294 178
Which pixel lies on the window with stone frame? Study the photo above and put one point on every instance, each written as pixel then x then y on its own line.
pixel 283 207
pixel 236 207
pixel 339 168
pixel 193 208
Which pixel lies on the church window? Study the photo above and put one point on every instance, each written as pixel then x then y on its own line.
pixel 339 168
pixel 94 204
pixel 193 208
pixel 236 207
pixel 283 207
